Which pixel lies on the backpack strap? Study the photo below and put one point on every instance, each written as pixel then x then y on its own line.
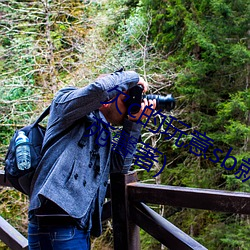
pixel 43 115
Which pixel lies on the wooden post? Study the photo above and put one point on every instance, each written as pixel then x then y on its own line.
pixel 126 233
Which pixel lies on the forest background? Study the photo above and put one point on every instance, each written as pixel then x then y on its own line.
pixel 197 50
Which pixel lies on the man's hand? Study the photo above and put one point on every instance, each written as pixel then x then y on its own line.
pixel 146 112
pixel 144 84
pixel 144 103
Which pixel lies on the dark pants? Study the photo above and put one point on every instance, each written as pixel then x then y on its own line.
pixel 68 237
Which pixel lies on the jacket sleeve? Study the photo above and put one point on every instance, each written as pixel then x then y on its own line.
pixel 122 155
pixel 73 105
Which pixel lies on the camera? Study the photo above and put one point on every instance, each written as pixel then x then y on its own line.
pixel 135 98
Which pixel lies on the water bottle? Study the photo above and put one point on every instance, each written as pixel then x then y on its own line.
pixel 23 156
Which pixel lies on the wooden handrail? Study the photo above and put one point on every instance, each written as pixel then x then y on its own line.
pixel 161 229
pixel 126 214
pixel 129 212
pixel 209 199
pixel 11 237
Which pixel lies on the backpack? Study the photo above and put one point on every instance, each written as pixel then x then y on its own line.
pixel 21 179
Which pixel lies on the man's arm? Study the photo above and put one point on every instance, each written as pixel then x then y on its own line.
pixel 121 162
pixel 77 103
pixel 122 156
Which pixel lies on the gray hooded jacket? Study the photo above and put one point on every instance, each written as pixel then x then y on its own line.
pixel 74 176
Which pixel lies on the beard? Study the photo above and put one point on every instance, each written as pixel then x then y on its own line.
pixel 113 116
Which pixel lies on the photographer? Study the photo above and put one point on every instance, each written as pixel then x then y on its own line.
pixel 70 185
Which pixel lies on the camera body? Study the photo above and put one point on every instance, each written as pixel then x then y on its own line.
pixel 135 98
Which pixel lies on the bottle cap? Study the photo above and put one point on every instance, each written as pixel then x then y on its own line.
pixel 21 138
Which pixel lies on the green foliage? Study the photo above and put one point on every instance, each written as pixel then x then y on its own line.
pixel 205 45
pixel 197 50
pixel 14 208
pixel 41 49
pixel 148 242
pixel 230 233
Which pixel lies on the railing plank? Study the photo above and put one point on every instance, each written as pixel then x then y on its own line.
pixel 11 237
pixel 208 199
pixel 161 229
pixel 124 192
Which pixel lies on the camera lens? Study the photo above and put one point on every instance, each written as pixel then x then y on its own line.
pixel 134 102
pixel 162 102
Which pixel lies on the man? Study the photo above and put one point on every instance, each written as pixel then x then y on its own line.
pixel 70 184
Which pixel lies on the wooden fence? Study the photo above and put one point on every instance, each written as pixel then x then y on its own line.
pixel 130 213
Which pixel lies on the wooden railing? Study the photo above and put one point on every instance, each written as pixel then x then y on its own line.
pixel 8 234
pixel 129 212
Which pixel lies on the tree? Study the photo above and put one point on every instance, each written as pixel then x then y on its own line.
pixel 41 50
pixel 204 44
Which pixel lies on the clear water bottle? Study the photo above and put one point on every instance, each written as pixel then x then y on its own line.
pixel 23 156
